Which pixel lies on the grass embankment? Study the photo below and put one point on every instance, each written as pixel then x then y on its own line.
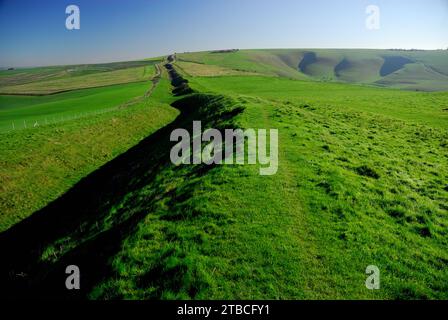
pixel 39 164
pixel 356 186
pixel 416 107
pixel 368 168
pixel 361 181
pixel 114 199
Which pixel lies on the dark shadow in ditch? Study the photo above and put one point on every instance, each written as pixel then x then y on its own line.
pixel 79 214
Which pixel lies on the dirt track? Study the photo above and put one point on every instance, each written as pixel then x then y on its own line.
pixel 155 80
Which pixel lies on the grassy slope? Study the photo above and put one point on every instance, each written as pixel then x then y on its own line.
pixel 422 108
pixel 427 70
pixel 39 164
pixel 328 215
pixel 325 139
pixel 416 77
pixel 245 60
pixel 206 70
pixel 56 108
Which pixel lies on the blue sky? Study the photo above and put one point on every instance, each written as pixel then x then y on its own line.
pixel 33 32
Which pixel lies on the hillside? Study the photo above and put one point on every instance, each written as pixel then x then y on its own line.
pixel 410 70
pixel 361 181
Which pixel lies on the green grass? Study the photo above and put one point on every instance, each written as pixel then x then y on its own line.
pixel 427 70
pixel 353 189
pixel 39 164
pixel 60 107
pixel 48 80
pixel 421 108
pixel 416 77
pixel 246 60
pixel 362 180
pixel 207 70
pixel 90 80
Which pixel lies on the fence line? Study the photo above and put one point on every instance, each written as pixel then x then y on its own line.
pixel 55 120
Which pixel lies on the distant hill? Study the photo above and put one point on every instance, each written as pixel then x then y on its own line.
pixel 56 79
pixel 403 69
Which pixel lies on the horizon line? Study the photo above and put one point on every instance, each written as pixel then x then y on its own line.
pixel 3 68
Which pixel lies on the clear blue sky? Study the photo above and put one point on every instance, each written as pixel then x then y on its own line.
pixel 33 32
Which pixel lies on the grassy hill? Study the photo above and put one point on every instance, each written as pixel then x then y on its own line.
pixel 362 180
pixel 411 70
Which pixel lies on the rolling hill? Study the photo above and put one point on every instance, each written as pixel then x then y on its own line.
pixel 410 70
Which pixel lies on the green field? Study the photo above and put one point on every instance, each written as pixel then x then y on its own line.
pixel 362 180
pixel 20 112
pixel 39 164
pixel 411 70
pixel 49 80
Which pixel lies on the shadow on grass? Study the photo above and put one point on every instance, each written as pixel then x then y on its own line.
pixel 79 227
